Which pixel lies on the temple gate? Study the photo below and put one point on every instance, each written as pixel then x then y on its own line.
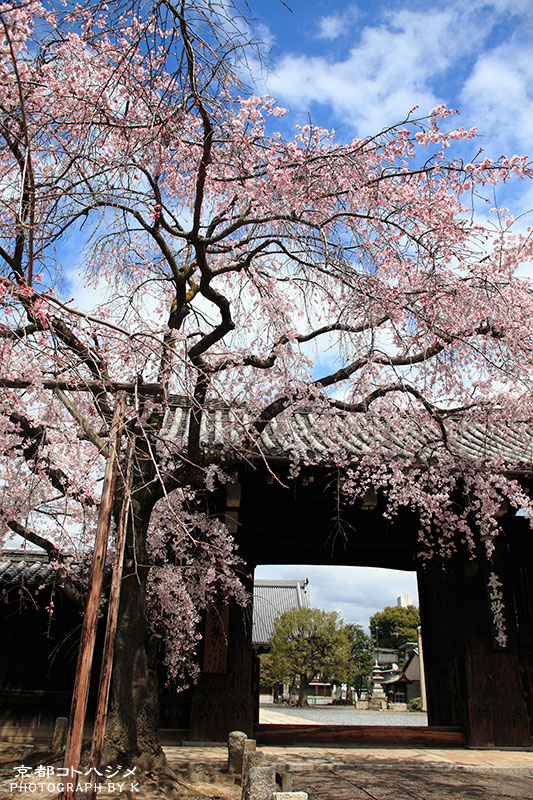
pixel 477 615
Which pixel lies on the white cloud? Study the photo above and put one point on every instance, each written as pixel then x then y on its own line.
pixel 334 25
pixel 329 27
pixel 499 94
pixel 413 58
pixel 264 34
pixel 382 77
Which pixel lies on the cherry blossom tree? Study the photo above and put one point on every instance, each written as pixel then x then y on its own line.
pixel 236 267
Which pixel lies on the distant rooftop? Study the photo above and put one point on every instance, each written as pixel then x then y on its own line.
pixel 271 599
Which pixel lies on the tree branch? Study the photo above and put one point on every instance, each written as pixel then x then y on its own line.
pixel 54 555
pixel 33 440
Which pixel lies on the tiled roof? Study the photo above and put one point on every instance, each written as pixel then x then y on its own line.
pixel 316 436
pixel 32 568
pixel 25 566
pixel 271 599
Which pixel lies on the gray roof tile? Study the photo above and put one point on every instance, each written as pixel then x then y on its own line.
pixel 271 599
pixel 314 436
pixel 25 566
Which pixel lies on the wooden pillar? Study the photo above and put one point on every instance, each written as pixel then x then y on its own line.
pixel 472 665
pixel 223 699
pixel 423 696
pixel 435 589
pixel 520 550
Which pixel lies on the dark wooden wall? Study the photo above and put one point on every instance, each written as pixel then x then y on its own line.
pixel 471 680
pixel 38 656
pixel 303 522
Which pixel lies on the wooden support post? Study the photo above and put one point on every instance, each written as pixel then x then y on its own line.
pixel 224 698
pixel 80 693
pixel 111 626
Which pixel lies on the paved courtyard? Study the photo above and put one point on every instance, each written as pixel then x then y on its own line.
pixel 392 782
pixel 328 773
pixel 347 773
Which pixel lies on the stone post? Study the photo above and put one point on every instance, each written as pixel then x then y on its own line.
pixel 251 759
pixel 260 784
pixel 286 781
pixel 236 740
pixel 289 796
pixel 60 734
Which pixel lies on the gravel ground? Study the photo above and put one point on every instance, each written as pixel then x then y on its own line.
pixel 341 715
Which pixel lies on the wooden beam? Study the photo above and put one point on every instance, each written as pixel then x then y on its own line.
pixel 364 735
pixel 85 386
pixel 80 693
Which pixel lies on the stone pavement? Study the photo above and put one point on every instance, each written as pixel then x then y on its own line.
pixel 349 773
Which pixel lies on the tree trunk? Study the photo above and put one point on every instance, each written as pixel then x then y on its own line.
pixel 302 693
pixel 131 732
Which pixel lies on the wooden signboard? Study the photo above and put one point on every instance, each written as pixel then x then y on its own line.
pixel 497 612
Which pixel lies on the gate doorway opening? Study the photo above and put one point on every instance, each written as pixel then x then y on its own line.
pixel 381 683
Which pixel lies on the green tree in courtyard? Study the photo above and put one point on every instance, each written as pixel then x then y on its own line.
pixel 395 625
pixel 362 657
pixel 308 643
pixel 269 678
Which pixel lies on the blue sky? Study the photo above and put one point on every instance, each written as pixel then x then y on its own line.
pixel 359 67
